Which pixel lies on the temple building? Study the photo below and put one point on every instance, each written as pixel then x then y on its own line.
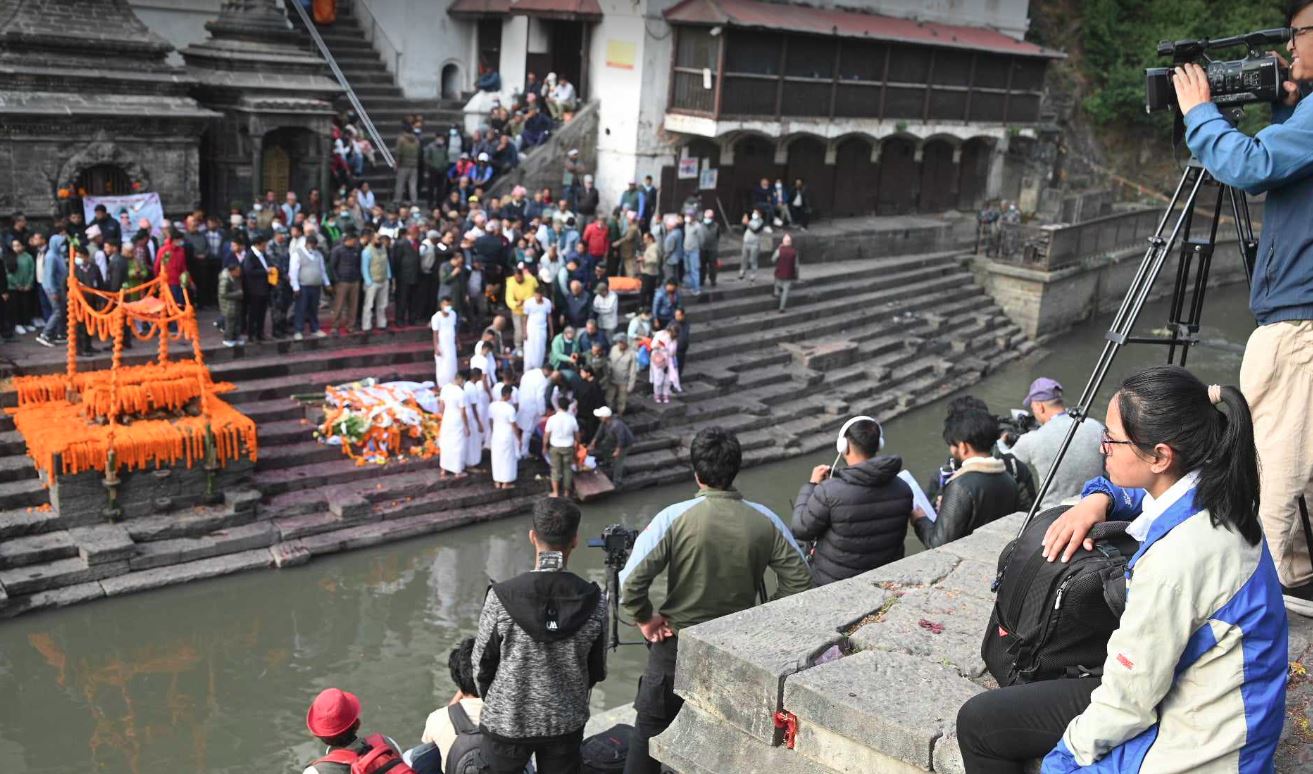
pixel 275 95
pixel 90 106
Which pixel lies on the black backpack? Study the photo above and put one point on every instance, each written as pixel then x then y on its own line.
pixel 1053 619
pixel 463 757
pixel 605 753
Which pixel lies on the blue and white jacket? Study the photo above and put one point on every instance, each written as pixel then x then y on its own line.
pixel 1195 678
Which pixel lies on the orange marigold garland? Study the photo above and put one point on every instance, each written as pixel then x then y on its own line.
pixel 87 419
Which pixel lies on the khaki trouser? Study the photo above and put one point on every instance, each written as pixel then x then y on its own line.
pixel 617 397
pixel 376 299
pixel 562 462
pixel 1277 380
pixel 346 297
pixel 517 322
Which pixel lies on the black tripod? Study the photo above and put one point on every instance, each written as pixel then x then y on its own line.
pixel 1193 263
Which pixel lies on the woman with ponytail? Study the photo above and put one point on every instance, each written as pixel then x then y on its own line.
pixel 1194 678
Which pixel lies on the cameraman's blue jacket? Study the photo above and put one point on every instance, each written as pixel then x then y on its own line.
pixel 1277 161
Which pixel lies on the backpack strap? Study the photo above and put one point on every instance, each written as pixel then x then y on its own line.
pixel 341 755
pixel 460 720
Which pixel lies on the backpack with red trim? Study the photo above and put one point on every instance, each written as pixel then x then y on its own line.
pixel 377 757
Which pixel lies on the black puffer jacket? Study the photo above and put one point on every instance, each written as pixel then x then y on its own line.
pixel 980 492
pixel 858 518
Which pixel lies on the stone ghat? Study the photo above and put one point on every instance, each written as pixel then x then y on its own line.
pixel 889 706
pixel 878 327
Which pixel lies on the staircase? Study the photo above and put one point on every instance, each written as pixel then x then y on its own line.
pixel 909 327
pixel 377 90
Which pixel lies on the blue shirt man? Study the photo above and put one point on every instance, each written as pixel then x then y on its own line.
pixel 664 304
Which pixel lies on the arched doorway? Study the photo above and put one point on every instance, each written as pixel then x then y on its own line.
pixel 807 161
pixel 289 161
pixel 899 179
pixel 938 177
pixel 973 173
pixel 754 158
pixel 451 82
pixel 856 178
pixel 98 180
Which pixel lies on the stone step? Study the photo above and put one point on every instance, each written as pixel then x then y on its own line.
pixel 260 534
pixel 453 499
pixel 341 470
pixel 17 467
pixel 188 523
pixel 384 350
pixel 314 382
pixel 32 579
pixel 18 522
pixel 727 298
pixel 817 321
pixel 375 533
pixel 27 492
pixel 291 455
pixel 36 549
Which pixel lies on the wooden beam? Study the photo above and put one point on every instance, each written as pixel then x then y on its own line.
pixel 720 72
pixel 779 87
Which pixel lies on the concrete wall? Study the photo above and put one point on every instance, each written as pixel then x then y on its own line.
pixel 181 22
pixel 428 39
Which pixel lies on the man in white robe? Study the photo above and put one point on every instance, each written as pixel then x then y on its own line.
pixel 452 437
pixel 505 439
pixel 532 387
pixel 443 323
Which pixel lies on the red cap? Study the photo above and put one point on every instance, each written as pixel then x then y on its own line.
pixel 333 712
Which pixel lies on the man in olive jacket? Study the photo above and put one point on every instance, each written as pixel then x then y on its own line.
pixel 715 550
pixel 858 516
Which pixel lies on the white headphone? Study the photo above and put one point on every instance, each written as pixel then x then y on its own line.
pixel 841 443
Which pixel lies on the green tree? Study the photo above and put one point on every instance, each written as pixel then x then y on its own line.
pixel 1121 39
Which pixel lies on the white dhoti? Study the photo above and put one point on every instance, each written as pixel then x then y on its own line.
pixel 535 335
pixel 445 356
pixel 451 437
pixel 505 454
pixel 474 441
pixel 532 385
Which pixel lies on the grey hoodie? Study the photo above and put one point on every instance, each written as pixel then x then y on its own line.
pixel 541 648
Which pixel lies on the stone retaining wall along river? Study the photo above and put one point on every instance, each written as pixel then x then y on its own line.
pixel 912 630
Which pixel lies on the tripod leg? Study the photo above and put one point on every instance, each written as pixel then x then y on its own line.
pixel 1136 295
pixel 1187 330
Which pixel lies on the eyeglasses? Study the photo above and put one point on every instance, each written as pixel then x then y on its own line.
pixel 1106 441
pixel 1295 32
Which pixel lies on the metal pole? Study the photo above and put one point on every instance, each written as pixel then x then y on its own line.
pixel 342 81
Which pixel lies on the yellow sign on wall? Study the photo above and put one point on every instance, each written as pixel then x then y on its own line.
pixel 621 54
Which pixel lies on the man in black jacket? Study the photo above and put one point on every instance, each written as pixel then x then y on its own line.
pixel 407 275
pixel 540 650
pixel 979 492
pixel 857 517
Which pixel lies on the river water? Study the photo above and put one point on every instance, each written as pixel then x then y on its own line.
pixel 216 676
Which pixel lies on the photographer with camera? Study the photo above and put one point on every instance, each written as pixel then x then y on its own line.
pixel 1275 375
pixel 1039 447
pixel 715 550
pixel 980 491
pixel 857 515
pixel 540 649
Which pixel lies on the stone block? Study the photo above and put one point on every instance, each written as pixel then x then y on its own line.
pixel 823 356
pixel 960 620
pixel 241 500
pixel 892 702
pixel 735 666
pixel 983 545
pixel 18 523
pixel 198 520
pixel 36 549
pixel 920 569
pixel 60 597
pixel 294 527
pixel 186 572
pixel 52 575
pixel 103 543
pixel 970 578
pixel 698 743
pixel 164 552
pixel 289 554
pixel 347 505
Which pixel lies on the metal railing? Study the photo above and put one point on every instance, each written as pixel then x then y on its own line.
pixel 309 24
pixel 376 35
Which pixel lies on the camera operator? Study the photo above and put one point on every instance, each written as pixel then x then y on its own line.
pixel 540 650
pixel 1275 375
pixel 1016 468
pixel 857 516
pixel 715 550
pixel 1039 447
pixel 980 491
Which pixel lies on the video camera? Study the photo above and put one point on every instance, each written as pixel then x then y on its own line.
pixel 1015 425
pixel 618 541
pixel 1234 83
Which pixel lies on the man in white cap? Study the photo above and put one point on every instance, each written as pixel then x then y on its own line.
pixel 610 444
pixel 482 172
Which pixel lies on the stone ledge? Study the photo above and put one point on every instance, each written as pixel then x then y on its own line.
pixel 891 706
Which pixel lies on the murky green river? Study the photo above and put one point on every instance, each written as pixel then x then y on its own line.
pixel 216 676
